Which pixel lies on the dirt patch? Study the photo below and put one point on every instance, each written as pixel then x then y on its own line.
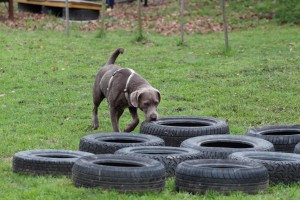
pixel 30 21
pixel 7 159
pixel 160 16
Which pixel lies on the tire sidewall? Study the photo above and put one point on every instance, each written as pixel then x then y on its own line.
pixel 221 152
pixel 170 157
pixel 284 143
pixel 95 143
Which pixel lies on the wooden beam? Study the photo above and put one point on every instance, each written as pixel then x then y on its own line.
pixel 11 9
pixel 61 4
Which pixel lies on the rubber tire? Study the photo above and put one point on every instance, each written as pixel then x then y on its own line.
pixel 297 149
pixel 78 14
pixel 24 7
pixel 282 142
pixel 98 143
pixel 170 157
pixel 223 176
pixel 223 145
pixel 175 135
pixel 122 173
pixel 46 162
pixel 282 167
pixel 55 11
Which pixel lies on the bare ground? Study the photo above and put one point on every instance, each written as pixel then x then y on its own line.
pixel 160 16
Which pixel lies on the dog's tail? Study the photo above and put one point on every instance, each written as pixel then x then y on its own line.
pixel 114 56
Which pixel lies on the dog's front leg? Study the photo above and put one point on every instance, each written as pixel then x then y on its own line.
pixel 135 119
pixel 115 114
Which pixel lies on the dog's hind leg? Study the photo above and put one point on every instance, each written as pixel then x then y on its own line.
pixel 97 99
pixel 135 120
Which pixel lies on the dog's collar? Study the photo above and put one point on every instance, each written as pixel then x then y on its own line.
pixel 126 86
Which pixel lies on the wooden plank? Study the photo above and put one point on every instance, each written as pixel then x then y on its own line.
pixel 61 4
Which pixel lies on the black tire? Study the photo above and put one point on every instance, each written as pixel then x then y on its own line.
pixel 297 149
pixel 102 143
pixel 46 162
pixel 283 137
pixel 174 130
pixel 55 11
pixel 220 146
pixel 122 173
pixel 282 167
pixel 170 157
pixel 24 7
pixel 224 176
pixel 82 14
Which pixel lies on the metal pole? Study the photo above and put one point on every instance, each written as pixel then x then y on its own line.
pixel 225 24
pixel 103 6
pixel 67 17
pixel 140 26
pixel 182 21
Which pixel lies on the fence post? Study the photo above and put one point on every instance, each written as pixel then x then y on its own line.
pixel 182 21
pixel 11 9
pixel 140 25
pixel 223 4
pixel 67 16
pixel 102 29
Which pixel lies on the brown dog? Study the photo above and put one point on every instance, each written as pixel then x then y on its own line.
pixel 123 88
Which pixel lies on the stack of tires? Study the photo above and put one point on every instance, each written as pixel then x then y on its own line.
pixel 123 173
pixel 248 162
pixel 244 163
pixel 199 152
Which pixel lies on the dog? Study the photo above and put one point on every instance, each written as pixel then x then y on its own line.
pixel 123 88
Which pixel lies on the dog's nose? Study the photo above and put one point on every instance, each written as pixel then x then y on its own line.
pixel 153 117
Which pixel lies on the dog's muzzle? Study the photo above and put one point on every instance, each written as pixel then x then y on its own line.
pixel 153 117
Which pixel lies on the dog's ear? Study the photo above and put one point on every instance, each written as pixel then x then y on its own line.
pixel 134 98
pixel 158 94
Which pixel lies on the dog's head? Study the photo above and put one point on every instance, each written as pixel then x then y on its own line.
pixel 146 99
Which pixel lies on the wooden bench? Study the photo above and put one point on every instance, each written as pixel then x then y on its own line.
pixel 78 9
pixel 61 3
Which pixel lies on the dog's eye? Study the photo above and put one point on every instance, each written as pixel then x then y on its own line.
pixel 146 104
pixel 156 102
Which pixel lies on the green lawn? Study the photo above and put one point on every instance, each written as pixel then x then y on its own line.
pixel 45 94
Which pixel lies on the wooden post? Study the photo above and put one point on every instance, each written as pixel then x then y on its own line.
pixel 11 9
pixel 223 3
pixel 182 21
pixel 140 26
pixel 67 16
pixel 102 28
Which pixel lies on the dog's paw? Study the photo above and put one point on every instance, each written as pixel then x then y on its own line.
pixel 95 126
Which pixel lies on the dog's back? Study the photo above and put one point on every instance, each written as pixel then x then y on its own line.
pixel 107 71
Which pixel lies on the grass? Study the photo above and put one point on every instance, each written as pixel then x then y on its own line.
pixel 45 94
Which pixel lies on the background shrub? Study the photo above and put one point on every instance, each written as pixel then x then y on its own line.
pixel 288 11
